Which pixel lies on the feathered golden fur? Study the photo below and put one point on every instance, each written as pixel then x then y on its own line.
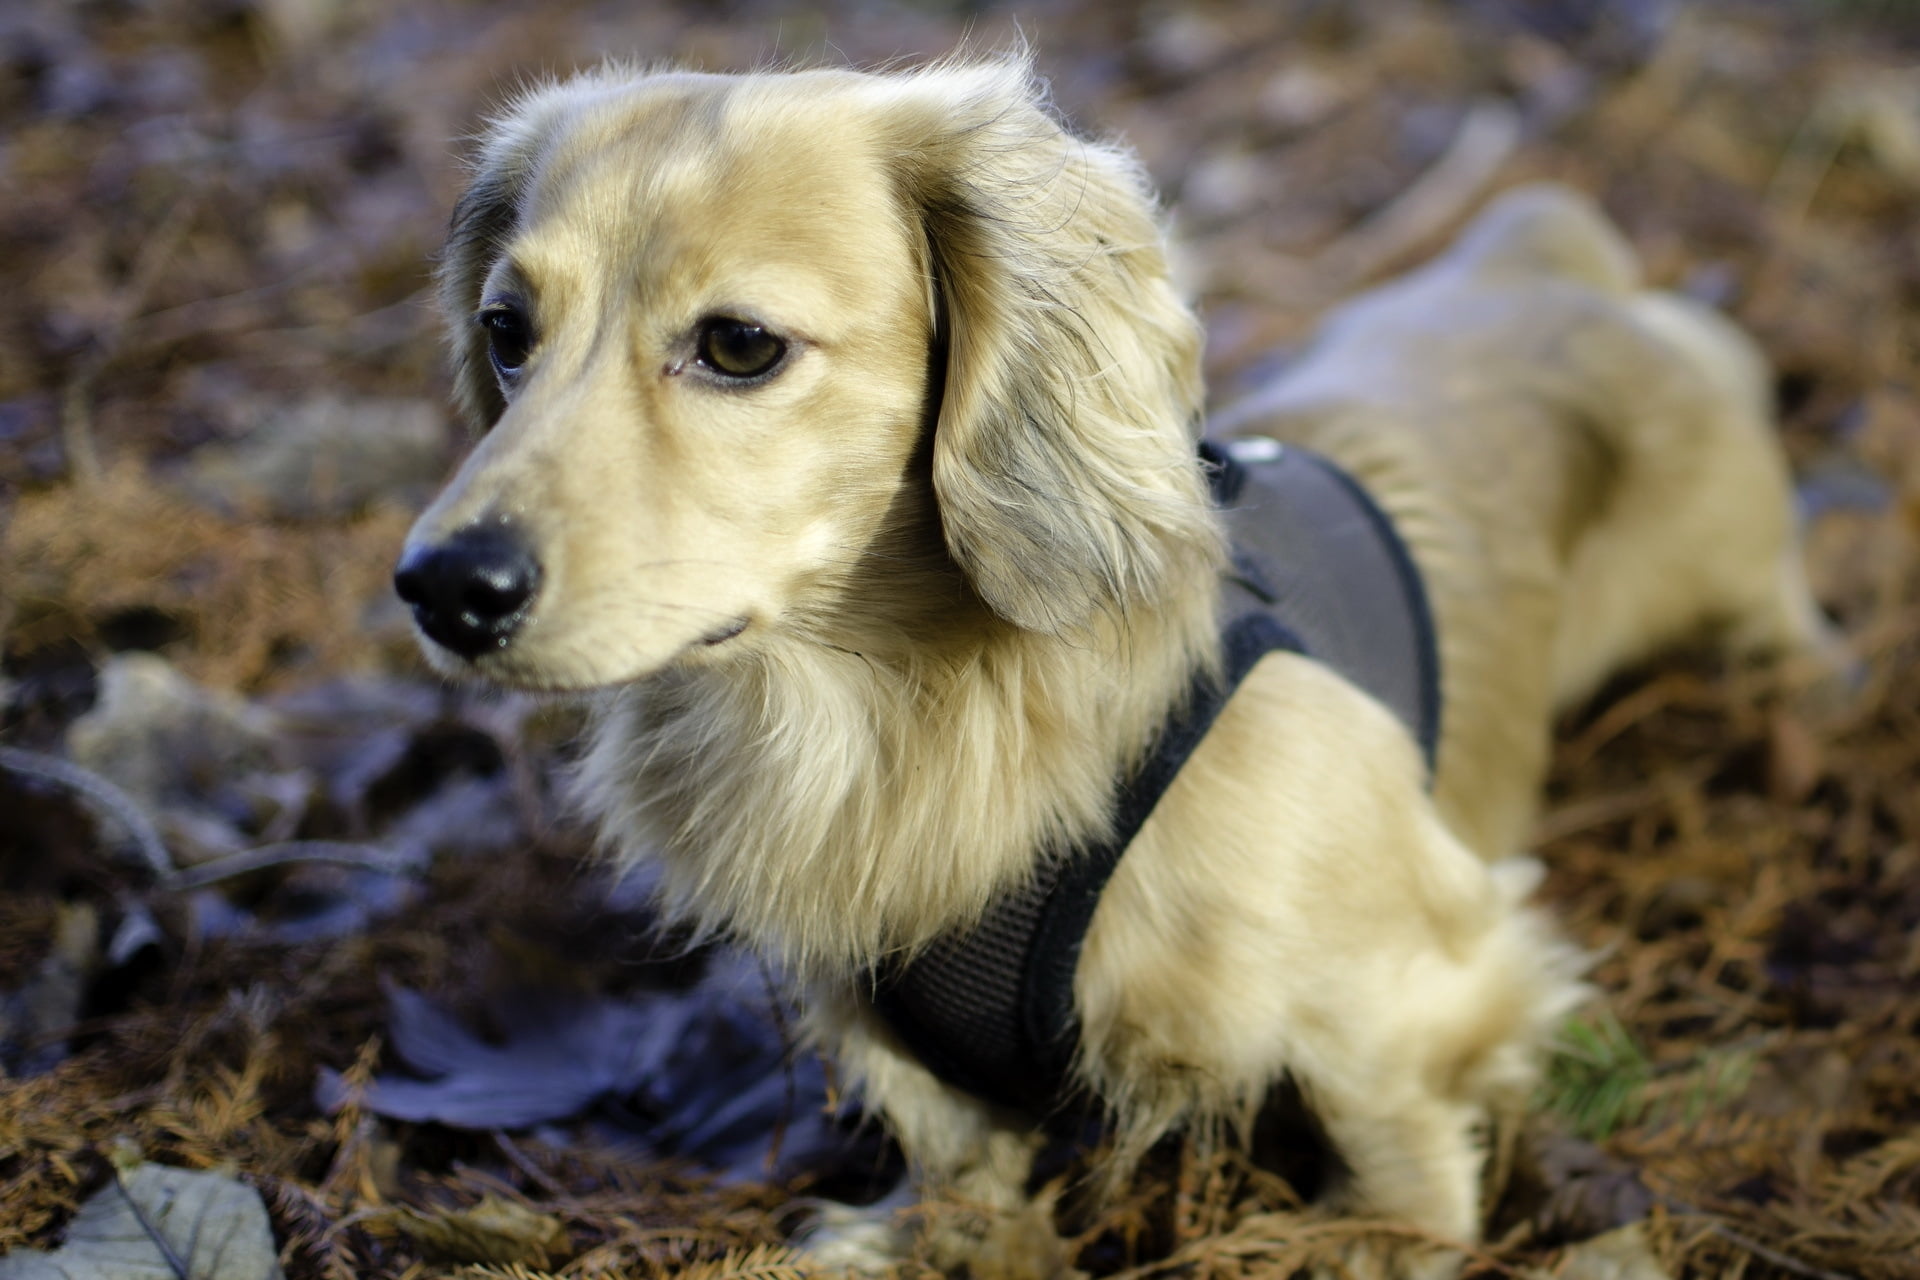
pixel 872 630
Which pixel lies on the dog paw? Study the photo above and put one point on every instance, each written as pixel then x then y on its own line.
pixel 1009 1245
pixel 855 1240
pixel 873 1241
pixel 1372 1258
pixel 1826 681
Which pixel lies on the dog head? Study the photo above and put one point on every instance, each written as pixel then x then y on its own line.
pixel 722 335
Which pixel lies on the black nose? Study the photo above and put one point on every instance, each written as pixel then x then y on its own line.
pixel 471 592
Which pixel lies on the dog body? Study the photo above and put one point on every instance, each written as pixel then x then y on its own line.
pixel 840 435
pixel 1525 381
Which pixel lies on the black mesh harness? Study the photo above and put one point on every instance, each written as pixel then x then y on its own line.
pixel 1317 569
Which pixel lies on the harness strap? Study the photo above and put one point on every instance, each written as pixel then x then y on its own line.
pixel 1317 569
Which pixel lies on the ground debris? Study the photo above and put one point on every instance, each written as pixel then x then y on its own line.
pixel 220 391
pixel 493 1231
pixel 155 1223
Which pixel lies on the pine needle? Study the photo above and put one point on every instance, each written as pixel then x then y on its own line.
pixel 1602 1081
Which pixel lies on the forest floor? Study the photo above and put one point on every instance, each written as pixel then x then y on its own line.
pixel 221 396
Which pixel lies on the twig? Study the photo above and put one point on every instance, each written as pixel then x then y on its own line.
pixel 1786 1262
pixel 332 852
pixel 1584 815
pixel 535 1174
pixel 1648 700
pixel 1803 167
pixel 102 798
pixel 786 1066
pixel 1437 198
pixel 108 800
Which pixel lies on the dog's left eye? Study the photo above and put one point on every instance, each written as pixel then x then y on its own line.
pixel 509 339
pixel 737 349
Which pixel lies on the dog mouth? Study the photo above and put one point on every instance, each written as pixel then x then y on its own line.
pixel 511 667
pixel 726 633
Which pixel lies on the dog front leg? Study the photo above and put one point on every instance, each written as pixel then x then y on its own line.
pixel 968 1164
pixel 1417 1165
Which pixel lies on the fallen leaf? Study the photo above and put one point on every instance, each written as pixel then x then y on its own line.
pixel 1581 1190
pixel 700 1074
pixel 158 1223
pixel 561 1055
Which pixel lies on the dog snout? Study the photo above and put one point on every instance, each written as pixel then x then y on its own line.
pixel 471 592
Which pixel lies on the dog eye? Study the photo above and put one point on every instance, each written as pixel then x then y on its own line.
pixel 737 349
pixel 509 338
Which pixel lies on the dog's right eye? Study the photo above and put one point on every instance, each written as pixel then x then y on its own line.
pixel 737 349
pixel 509 339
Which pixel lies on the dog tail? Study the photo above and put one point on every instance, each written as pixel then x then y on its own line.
pixel 1723 353
pixel 1547 230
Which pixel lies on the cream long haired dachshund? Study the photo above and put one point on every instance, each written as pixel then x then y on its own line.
pixel 839 434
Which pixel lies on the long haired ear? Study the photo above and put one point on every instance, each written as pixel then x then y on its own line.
pixel 1063 453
